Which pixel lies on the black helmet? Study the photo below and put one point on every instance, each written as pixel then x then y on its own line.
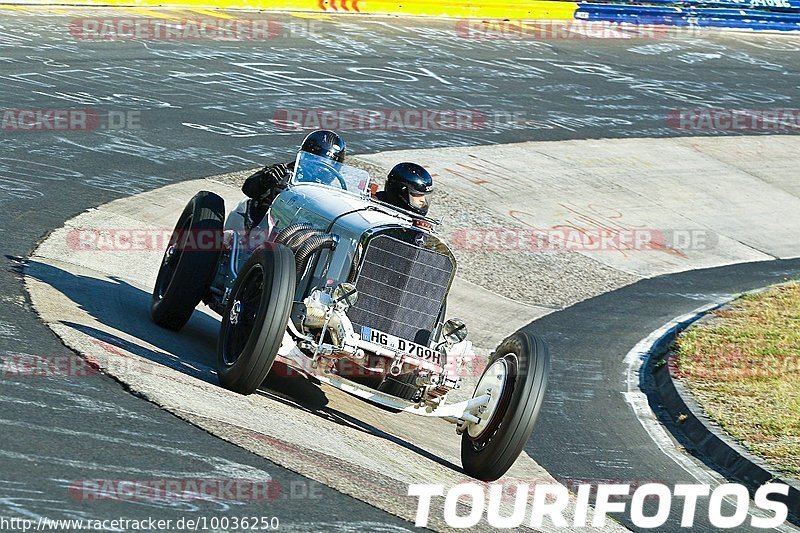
pixel 408 179
pixel 324 143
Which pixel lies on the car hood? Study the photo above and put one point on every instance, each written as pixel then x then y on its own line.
pixel 324 206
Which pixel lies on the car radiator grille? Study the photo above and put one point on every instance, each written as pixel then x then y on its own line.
pixel 401 289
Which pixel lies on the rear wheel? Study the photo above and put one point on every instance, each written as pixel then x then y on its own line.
pixel 255 318
pixel 515 378
pixel 189 262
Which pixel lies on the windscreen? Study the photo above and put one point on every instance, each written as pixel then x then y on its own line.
pixel 310 168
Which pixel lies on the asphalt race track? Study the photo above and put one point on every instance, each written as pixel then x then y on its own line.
pixel 587 430
pixel 204 107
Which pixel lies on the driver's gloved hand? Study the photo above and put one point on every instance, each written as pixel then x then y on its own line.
pixel 279 175
pixel 267 180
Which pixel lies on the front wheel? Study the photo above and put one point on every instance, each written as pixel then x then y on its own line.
pixel 255 318
pixel 515 378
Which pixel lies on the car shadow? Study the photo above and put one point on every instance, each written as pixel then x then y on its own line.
pixel 126 308
pixel 123 307
pixel 281 389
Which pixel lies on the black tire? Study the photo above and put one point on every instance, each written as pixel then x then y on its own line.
pixel 249 338
pixel 187 269
pixel 526 361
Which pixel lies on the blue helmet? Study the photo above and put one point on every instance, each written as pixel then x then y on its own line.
pixel 324 143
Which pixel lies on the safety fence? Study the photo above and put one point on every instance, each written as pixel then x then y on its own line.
pixel 741 14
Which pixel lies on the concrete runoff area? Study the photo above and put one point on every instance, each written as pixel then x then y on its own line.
pixel 97 302
pixel 706 189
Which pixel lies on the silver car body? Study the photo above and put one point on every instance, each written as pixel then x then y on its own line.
pixel 402 271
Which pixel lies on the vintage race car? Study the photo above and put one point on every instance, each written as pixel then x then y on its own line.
pixel 351 291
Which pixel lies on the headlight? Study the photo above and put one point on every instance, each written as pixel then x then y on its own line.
pixel 345 295
pixel 454 331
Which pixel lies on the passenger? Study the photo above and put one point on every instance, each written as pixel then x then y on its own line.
pixel 408 186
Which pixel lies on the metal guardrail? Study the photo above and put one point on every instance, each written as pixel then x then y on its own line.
pixel 782 15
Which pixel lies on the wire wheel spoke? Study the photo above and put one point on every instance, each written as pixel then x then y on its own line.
pixel 240 330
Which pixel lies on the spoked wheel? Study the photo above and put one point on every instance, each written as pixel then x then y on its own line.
pixel 515 378
pixel 255 318
pixel 242 316
pixel 189 262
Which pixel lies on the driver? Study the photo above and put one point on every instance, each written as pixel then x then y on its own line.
pixel 263 186
pixel 407 187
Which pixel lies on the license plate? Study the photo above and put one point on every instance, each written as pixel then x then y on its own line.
pixel 401 345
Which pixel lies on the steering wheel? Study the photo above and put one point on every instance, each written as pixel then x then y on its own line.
pixel 326 176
